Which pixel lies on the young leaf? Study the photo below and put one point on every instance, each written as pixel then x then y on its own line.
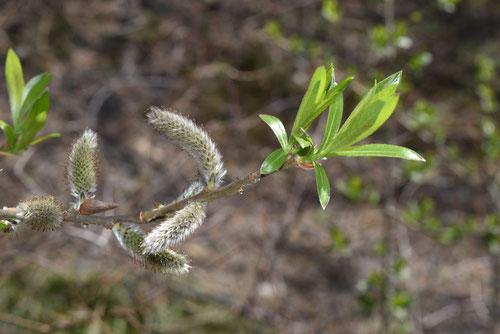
pixel 324 103
pixel 15 84
pixel 32 91
pixel 274 161
pixel 34 121
pixel 379 90
pixel 322 184
pixel 9 133
pixel 50 135
pixel 330 75
pixel 302 142
pixel 278 129
pixel 310 101
pixel 369 119
pixel 379 150
pixel 334 119
pixel 332 95
pixel 391 81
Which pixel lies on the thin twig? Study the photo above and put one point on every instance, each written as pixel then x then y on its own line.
pixel 145 217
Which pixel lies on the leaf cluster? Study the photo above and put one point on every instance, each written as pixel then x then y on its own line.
pixel 324 92
pixel 29 105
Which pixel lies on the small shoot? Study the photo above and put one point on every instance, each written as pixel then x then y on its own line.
pixel 376 106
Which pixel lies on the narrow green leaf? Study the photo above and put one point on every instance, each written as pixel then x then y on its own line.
pixel 391 81
pixel 322 184
pixel 274 161
pixel 278 129
pixel 302 142
pixel 34 122
pixel 367 121
pixel 334 119
pixel 9 133
pixel 327 101
pixel 379 150
pixel 32 91
pixel 50 135
pixel 310 101
pixel 330 77
pixel 15 84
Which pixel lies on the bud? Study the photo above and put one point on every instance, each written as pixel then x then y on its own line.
pixel 92 206
pixel 188 136
pixel 42 213
pixel 166 262
pixel 82 167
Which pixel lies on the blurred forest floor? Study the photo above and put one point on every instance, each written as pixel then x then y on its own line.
pixel 404 247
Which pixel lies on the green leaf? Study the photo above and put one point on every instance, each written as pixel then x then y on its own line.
pixel 32 91
pixel 278 129
pixel 322 184
pixel 391 81
pixel 379 90
pixel 364 123
pixel 15 84
pixel 330 76
pixel 34 121
pixel 332 94
pixel 379 150
pixel 310 101
pixel 9 133
pixel 50 135
pixel 334 119
pixel 319 107
pixel 274 161
pixel 302 142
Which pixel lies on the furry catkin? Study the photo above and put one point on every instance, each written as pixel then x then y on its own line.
pixel 42 213
pixel 82 167
pixel 191 138
pixel 167 261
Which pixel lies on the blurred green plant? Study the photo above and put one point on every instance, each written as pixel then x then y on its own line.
pixel 372 111
pixel 356 190
pixel 330 11
pixel 29 105
pixel 383 39
pixel 421 215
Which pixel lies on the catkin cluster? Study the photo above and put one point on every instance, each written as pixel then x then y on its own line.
pixel 191 138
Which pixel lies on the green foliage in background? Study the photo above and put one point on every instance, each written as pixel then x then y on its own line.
pixel 372 111
pixel 29 105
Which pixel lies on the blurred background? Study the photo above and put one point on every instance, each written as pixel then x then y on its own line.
pixel 403 247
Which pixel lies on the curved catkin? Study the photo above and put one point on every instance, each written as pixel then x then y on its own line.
pixel 175 229
pixel 82 167
pixel 166 262
pixel 42 213
pixel 193 139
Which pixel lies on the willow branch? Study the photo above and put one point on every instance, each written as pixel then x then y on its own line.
pixel 151 216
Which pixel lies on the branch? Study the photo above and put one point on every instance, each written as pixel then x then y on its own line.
pixel 145 217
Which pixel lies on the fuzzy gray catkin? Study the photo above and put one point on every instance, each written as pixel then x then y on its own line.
pixel 200 146
pixel 82 167
pixel 42 213
pixel 191 138
pixel 175 229
pixel 166 262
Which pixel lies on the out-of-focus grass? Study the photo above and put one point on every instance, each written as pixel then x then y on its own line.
pixel 35 299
